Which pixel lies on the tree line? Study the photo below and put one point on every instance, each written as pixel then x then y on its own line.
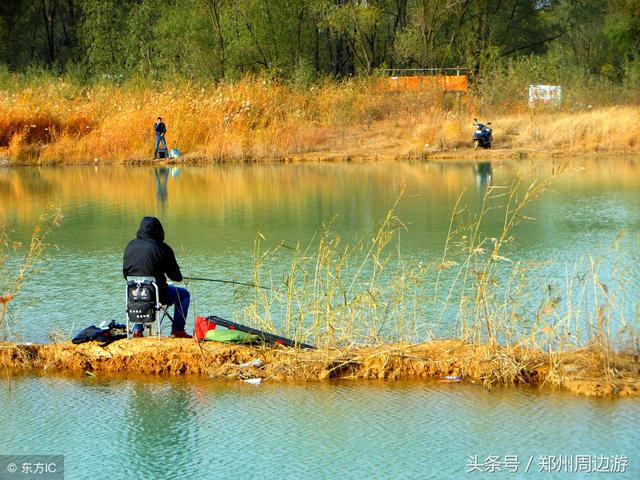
pixel 307 39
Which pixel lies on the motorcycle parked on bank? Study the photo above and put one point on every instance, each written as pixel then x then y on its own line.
pixel 483 135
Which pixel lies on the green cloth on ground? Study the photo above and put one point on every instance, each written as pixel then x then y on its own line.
pixel 230 336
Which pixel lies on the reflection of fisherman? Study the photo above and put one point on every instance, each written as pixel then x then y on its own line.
pixel 483 174
pixel 160 129
pixel 162 178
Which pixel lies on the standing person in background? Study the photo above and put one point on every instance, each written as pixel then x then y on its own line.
pixel 160 129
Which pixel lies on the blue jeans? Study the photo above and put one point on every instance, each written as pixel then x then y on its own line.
pixel 159 139
pixel 179 297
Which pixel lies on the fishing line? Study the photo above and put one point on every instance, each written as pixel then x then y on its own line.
pixel 231 282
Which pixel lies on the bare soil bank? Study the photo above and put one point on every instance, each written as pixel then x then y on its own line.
pixel 584 372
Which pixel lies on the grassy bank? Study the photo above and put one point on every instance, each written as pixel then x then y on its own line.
pixel 489 365
pixel 55 121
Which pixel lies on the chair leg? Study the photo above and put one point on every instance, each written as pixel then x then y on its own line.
pixel 165 313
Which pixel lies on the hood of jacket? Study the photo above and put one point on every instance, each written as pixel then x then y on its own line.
pixel 150 227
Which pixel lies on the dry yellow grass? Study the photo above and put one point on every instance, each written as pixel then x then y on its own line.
pixel 610 129
pixel 252 119
pixel 255 120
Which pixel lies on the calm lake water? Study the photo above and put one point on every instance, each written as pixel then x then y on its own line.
pixel 214 214
pixel 146 428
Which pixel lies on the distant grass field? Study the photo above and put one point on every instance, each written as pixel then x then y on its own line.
pixel 46 121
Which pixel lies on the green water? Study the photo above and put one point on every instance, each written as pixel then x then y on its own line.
pixel 146 428
pixel 213 215
pixel 149 428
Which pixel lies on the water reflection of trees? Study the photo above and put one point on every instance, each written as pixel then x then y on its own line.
pixel 223 189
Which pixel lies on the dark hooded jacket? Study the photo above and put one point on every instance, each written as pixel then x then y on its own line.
pixel 148 255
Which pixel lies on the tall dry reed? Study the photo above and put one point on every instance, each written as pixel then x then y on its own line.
pixel 608 129
pixel 255 118
pixel 14 273
pixel 55 121
pixel 340 295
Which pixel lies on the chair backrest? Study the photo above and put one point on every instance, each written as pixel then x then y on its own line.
pixel 143 299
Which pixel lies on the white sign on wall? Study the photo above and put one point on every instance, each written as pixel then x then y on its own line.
pixel 545 95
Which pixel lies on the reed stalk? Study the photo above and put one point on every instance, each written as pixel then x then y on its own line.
pixel 13 274
pixel 339 295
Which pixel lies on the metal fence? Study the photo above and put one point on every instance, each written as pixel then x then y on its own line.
pixel 406 72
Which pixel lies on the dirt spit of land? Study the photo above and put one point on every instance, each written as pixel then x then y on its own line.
pixel 585 372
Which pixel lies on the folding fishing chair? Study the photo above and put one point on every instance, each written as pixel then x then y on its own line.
pixel 142 299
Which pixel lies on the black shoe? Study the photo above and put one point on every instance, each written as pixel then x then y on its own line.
pixel 180 334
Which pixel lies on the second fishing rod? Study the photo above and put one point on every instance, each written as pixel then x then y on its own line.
pixel 229 282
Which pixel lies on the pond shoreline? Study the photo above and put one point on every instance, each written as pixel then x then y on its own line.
pixel 583 372
pixel 461 155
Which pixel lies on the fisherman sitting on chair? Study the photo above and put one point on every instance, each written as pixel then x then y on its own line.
pixel 148 255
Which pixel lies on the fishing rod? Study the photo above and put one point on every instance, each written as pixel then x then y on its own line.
pixel 232 282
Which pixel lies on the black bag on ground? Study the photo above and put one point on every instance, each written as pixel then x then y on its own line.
pixel 105 335
pixel 90 333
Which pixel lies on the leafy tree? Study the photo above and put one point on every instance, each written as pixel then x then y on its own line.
pixel 216 39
